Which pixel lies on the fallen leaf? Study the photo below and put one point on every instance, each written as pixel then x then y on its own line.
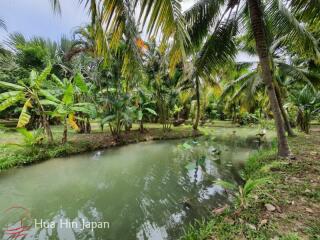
pixel 229 220
pixel 309 210
pixel 251 226
pixel 220 210
pixel 263 222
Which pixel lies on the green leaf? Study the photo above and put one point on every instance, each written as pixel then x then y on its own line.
pixel 151 111
pixel 6 95
pixel 57 80
pixel 43 75
pixel 226 185
pixel 49 96
pixel 25 133
pixel 186 146
pixel 33 77
pixel 24 117
pixel 10 101
pixel 68 95
pixel 253 184
pixel 108 119
pixel 11 85
pixel 80 83
pixel 48 102
pixel 85 108
pixel 191 166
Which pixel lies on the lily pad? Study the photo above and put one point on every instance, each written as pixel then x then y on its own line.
pixel 191 166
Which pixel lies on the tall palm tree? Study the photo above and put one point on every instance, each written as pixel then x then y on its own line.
pixel 197 81
pixel 260 18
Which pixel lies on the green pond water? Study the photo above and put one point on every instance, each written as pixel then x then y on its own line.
pixel 140 191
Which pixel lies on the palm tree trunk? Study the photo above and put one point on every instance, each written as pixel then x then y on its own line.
pixel 284 114
pixel 196 123
pixel 65 132
pixel 46 127
pixel 141 126
pixel 258 27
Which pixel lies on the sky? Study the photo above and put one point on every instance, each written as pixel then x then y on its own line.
pixel 36 18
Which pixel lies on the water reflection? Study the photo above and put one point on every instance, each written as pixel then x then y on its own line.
pixel 145 190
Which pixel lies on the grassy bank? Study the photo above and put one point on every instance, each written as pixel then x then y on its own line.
pixel 13 152
pixel 292 190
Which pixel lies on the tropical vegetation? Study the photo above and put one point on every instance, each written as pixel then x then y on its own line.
pixel 248 62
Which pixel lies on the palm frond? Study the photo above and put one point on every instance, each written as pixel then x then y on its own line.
pixel 201 18
pixel 56 6
pixel 253 184
pixel 284 23
pixel 166 17
pixel 92 7
pixel 118 18
pixel 307 10
pixel 15 40
pixel 296 74
pixel 3 24
pixel 219 49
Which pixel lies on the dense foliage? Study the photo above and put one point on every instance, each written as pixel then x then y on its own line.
pixel 185 70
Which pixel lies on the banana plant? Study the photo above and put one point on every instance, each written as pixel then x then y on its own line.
pixel 66 107
pixel 28 92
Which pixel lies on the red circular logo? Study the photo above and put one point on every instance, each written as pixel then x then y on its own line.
pixel 24 222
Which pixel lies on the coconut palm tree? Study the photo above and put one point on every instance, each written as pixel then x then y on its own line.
pixel 260 18
pixel 286 73
pixel 203 86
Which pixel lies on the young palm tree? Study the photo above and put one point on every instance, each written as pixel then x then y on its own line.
pixel 307 102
